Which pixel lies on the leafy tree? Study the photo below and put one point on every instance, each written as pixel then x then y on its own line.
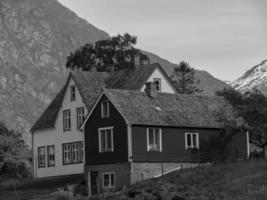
pixel 183 79
pixel 111 54
pixel 14 153
pixel 252 106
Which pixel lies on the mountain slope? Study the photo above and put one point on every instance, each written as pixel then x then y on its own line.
pixel 256 77
pixel 36 36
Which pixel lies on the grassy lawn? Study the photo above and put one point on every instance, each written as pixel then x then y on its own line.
pixel 36 188
pixel 245 180
pixel 23 194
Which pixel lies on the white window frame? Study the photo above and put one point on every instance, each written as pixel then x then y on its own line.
pixel 72 93
pixel 191 138
pixel 66 120
pixel 109 185
pixel 72 150
pixel 154 138
pixel 100 139
pixel 41 157
pixel 80 116
pixel 102 109
pixel 53 155
pixel 159 80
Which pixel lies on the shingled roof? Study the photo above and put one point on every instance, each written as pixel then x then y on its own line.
pixel 171 109
pixel 90 85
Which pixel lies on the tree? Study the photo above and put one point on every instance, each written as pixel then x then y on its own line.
pixel 252 106
pixel 14 153
pixel 183 79
pixel 113 54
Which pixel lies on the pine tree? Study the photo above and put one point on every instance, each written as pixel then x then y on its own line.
pixel 183 79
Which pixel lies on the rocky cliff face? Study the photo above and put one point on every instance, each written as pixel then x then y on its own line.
pixel 36 36
pixel 256 77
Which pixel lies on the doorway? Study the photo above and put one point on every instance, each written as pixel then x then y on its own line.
pixel 93 183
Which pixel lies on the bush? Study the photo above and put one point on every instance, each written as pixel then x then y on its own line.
pixel 18 169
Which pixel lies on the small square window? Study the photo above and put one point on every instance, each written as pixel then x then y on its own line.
pixel 191 140
pixel 108 180
pixel 105 109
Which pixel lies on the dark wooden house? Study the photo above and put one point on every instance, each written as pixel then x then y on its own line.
pixel 132 135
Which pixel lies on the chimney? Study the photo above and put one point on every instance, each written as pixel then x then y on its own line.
pixel 150 89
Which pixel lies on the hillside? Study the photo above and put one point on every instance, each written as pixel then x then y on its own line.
pixel 246 180
pixel 256 77
pixel 36 36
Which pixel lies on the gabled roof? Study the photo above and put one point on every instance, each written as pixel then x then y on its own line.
pixel 90 85
pixel 171 109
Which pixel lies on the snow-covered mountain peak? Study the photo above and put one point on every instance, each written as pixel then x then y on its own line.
pixel 256 77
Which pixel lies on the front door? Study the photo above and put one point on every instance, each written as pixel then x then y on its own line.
pixel 93 182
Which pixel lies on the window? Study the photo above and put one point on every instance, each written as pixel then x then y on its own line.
pixel 72 153
pixel 105 109
pixel 41 157
pixel 108 180
pixel 105 136
pixel 66 120
pixel 157 82
pixel 72 93
pixel 51 156
pixel 191 140
pixel 154 139
pixel 80 116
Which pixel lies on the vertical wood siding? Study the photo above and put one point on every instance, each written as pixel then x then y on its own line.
pixel 173 145
pixel 115 120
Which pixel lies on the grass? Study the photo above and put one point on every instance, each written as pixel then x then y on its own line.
pixel 35 188
pixel 245 180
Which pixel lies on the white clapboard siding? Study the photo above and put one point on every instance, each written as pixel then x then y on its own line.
pixel 56 136
pixel 165 85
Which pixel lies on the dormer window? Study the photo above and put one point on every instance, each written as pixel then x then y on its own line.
pixel 104 109
pixel 72 93
pixel 157 82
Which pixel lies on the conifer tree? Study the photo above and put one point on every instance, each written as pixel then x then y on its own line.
pixel 183 79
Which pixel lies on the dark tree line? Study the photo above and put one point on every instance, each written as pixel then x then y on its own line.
pixel 15 156
pixel 252 106
pixel 113 54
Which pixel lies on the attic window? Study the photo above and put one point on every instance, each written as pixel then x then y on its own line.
pixel 72 93
pixel 104 109
pixel 157 82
